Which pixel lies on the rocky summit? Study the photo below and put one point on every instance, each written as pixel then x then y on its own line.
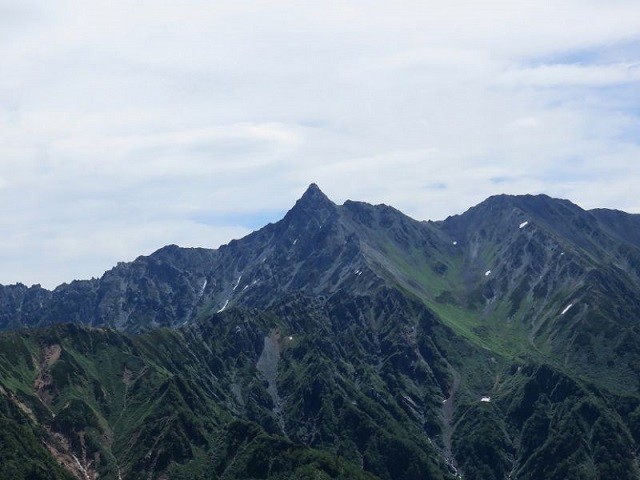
pixel 344 341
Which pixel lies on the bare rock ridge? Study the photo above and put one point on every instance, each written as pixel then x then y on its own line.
pixel 548 249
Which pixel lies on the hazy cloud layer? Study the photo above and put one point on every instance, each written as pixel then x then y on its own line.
pixel 125 126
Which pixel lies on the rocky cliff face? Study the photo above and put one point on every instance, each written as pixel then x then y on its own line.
pixel 344 341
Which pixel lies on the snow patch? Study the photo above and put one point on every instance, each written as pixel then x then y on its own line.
pixel 358 272
pixel 201 293
pixel 290 337
pixel 245 287
pixel 455 243
pixel 524 224
pixel 204 285
pixel 237 283
pixel 224 306
pixel 487 273
pixel 566 309
pixel 295 241
pixel 485 399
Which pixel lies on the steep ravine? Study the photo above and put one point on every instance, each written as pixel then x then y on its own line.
pixel 267 365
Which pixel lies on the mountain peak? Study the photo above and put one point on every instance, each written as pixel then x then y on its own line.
pixel 314 194
pixel 313 204
pixel 314 198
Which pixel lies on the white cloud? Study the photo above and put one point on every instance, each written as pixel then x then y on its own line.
pixel 573 74
pixel 124 120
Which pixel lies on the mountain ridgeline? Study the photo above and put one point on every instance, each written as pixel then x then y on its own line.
pixel 343 341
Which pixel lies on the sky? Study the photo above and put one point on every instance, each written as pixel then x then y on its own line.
pixel 126 126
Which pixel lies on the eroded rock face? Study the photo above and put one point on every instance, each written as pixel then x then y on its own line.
pixel 43 385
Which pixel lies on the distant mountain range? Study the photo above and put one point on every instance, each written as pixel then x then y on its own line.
pixel 344 341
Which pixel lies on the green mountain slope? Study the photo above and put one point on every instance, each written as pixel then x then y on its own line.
pixel 372 386
pixel 107 403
